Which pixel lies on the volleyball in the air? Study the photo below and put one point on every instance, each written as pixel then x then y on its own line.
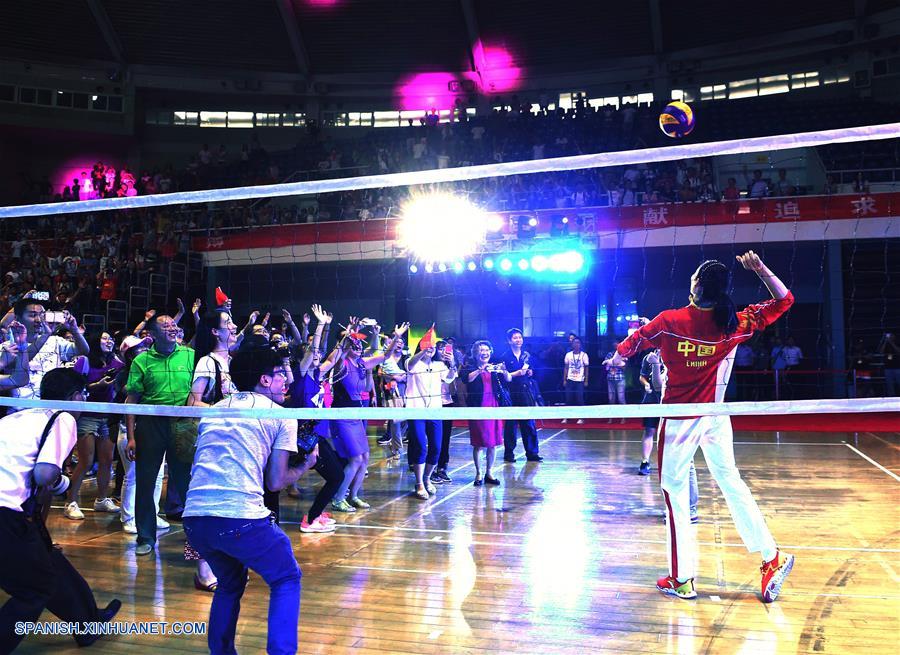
pixel 676 120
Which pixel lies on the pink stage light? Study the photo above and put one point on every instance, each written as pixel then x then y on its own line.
pixel 322 3
pixel 426 91
pixel 499 74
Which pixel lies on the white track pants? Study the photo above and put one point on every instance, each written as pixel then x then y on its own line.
pixel 678 441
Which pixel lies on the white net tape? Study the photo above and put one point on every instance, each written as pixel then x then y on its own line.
pixel 597 160
pixel 839 406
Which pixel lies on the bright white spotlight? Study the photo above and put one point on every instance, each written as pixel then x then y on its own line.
pixel 413 268
pixel 442 267
pixel 523 264
pixel 533 221
pixel 471 266
pixel 429 268
pixel 488 264
pixel 565 220
pixel 458 267
pixel 441 227
pixel 539 263
pixel 505 264
pixel 495 222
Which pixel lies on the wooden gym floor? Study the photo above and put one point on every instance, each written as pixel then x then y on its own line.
pixel 562 558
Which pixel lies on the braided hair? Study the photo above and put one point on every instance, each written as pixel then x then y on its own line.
pixel 713 278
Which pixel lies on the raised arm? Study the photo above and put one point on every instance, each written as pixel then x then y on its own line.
pixel 751 262
pixel 19 350
pixel 375 360
pixel 149 314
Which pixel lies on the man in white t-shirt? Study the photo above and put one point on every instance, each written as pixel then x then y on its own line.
pixel 225 517
pixel 36 575
pixel 575 374
pixel 46 351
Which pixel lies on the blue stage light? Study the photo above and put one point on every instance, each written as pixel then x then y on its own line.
pixel 429 268
pixel 457 267
pixel 488 264
pixel 442 267
pixel 523 264
pixel 539 263
pixel 505 264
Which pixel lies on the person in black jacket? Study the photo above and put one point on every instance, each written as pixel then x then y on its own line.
pixel 516 362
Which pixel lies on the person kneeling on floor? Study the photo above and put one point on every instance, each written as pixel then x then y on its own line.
pixel 33 571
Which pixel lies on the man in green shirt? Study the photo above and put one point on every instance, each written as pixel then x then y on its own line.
pixel 159 376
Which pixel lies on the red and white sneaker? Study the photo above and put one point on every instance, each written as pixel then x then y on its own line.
pixel 325 518
pixel 671 587
pixel 315 526
pixel 774 574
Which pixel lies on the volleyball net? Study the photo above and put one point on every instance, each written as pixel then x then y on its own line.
pixel 581 246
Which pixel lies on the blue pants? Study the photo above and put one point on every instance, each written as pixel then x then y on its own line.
pixel 230 547
pixel 425 435
pixel 529 438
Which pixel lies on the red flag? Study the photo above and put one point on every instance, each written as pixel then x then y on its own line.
pixel 428 339
pixel 221 298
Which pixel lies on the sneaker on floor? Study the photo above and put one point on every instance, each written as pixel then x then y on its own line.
pixel 106 505
pixel 671 587
pixel 359 503
pixel 644 468
pixel 325 518
pixel 443 475
pixel 143 549
pixel 161 523
pixel 342 506
pixel 384 440
pixel 315 526
pixel 695 515
pixel 73 512
pixel 129 527
pixel 436 478
pixel 774 574
pixel 421 493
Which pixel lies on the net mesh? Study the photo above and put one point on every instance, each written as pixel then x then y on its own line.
pixel 570 246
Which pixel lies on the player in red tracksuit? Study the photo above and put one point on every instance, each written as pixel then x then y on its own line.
pixel 698 343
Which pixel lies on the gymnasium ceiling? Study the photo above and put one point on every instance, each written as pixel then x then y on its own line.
pixel 319 38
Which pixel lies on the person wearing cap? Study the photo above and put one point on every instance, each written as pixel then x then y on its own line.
pixel 131 347
pixel 159 376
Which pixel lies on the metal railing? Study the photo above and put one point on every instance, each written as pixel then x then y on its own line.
pixel 117 314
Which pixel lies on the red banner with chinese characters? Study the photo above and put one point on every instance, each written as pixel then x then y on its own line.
pixel 585 221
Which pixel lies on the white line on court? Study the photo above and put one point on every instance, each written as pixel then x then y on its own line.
pixel 358 526
pixel 873 462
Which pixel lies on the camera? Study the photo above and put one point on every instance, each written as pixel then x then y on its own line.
pixel 307 439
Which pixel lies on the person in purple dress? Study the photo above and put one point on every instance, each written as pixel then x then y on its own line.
pixel 350 440
pixel 483 384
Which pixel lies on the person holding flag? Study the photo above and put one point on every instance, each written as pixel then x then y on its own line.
pixel 424 386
